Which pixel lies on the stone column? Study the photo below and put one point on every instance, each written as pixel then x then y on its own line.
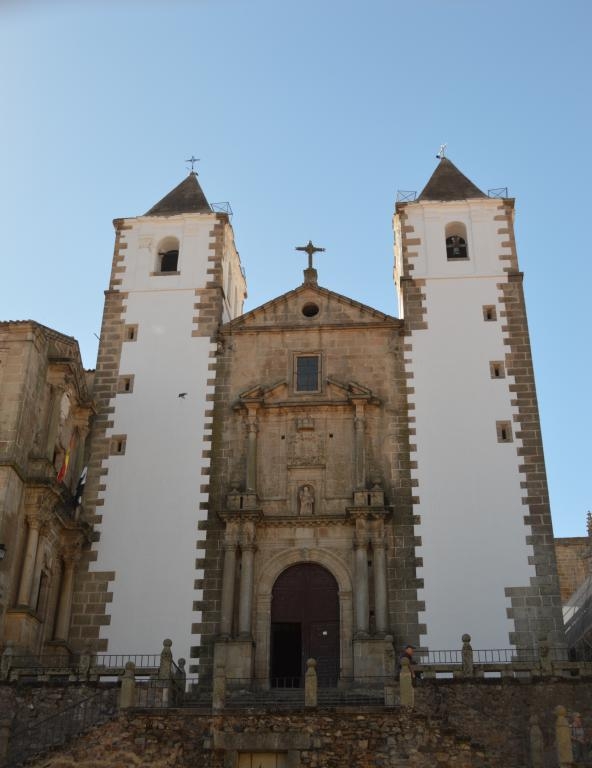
pixel 246 584
pixel 361 589
pixel 228 578
pixel 71 557
pixel 34 523
pixel 380 586
pixel 252 428
pixel 359 446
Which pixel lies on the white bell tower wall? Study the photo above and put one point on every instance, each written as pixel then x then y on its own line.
pixel 148 479
pixel 480 490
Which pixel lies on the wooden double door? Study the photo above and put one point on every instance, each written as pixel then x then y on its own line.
pixel 304 625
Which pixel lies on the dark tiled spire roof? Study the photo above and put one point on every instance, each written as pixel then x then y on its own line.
pixel 187 197
pixel 448 183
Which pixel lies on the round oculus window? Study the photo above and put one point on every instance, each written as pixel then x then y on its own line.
pixel 310 309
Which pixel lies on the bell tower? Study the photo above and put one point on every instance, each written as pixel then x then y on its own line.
pixel 480 493
pixel 176 276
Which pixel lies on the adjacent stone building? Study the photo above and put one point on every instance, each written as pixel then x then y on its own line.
pixel 45 413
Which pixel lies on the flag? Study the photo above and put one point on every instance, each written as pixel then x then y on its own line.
pixel 66 462
pixel 80 488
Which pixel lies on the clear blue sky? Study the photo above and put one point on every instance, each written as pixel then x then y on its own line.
pixel 308 116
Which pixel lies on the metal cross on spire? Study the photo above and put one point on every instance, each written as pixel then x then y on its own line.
pixel 442 153
pixel 192 160
pixel 310 249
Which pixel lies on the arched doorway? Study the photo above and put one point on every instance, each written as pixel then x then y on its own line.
pixel 304 625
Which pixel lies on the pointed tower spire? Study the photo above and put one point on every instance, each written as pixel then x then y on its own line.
pixel 186 197
pixel 448 183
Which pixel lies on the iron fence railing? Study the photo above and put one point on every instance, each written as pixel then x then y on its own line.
pixel 36 737
pixel 110 661
pixel 406 196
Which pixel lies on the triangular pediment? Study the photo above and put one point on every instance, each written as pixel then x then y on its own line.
pixel 279 394
pixel 310 305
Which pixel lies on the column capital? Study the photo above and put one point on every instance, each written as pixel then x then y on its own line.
pixel 38 520
pixel 71 554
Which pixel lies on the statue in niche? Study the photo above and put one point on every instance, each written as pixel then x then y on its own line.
pixel 306 500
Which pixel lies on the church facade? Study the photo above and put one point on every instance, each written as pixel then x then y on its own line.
pixel 315 478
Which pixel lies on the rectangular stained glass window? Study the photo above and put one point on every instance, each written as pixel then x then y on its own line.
pixel 307 373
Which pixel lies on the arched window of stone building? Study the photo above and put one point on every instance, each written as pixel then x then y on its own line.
pixel 168 255
pixel 456 241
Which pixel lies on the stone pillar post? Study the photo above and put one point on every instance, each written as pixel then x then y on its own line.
pixel 361 589
pixel 380 586
pixel 467 656
pixel 311 684
pixel 252 429
pixel 166 661
pixel 246 583
pixel 127 695
pixel 537 747
pixel 70 556
pixel 563 738
pixel 406 685
pixel 545 659
pixel 219 688
pixel 6 661
pixel 228 579
pixel 359 446
pixel 5 728
pixel 34 523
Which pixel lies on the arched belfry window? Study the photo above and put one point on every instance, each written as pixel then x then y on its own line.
pixel 168 255
pixel 456 241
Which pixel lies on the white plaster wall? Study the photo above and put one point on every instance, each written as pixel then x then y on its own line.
pixel 152 497
pixel 470 501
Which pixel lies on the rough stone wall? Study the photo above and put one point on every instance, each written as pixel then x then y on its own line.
pixel 455 724
pixel 487 720
pixel 496 713
pixel 572 563
pixel 32 703
pixel 365 739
